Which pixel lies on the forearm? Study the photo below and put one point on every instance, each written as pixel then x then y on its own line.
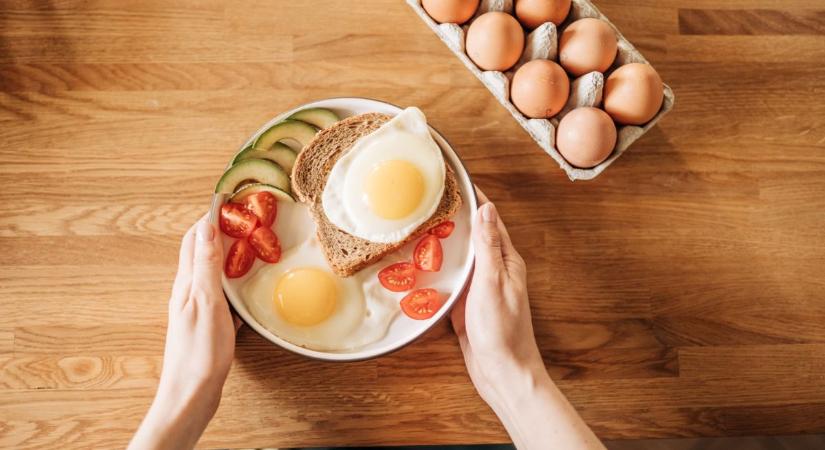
pixel 538 416
pixel 177 418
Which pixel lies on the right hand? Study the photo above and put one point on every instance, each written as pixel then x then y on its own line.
pixel 493 321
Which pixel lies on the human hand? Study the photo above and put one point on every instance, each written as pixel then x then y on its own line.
pixel 495 332
pixel 493 321
pixel 200 338
pixel 200 346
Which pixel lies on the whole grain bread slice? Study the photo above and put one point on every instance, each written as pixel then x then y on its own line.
pixel 345 253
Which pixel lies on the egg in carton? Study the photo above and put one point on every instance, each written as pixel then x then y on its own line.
pixel 542 43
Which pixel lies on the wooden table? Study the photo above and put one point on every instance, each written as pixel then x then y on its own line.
pixel 679 294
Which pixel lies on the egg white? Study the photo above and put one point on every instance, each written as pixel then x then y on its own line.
pixel 363 312
pixel 405 137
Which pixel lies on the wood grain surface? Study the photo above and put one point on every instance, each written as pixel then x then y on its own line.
pixel 678 294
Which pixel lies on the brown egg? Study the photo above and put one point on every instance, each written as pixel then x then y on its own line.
pixel 532 13
pixel 587 45
pixel 450 11
pixel 586 137
pixel 540 89
pixel 633 94
pixel 495 41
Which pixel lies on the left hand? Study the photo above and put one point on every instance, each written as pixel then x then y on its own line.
pixel 200 346
pixel 200 338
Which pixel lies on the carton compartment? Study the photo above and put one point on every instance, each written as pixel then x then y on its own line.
pixel 542 43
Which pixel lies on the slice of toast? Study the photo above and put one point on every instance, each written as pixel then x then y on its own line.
pixel 345 253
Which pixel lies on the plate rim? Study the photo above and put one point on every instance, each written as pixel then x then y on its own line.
pixel 462 172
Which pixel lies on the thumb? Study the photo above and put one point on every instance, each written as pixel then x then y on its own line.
pixel 457 316
pixel 208 257
pixel 487 240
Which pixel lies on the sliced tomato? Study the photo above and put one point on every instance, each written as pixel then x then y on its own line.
pixel 443 230
pixel 264 206
pixel 239 259
pixel 266 244
pixel 421 304
pixel 237 221
pixel 428 255
pixel 398 277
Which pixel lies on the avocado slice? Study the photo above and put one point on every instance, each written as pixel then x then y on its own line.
pixel 254 188
pixel 320 117
pixel 252 171
pixel 287 129
pixel 279 153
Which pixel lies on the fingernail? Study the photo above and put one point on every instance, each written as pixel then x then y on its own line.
pixel 205 231
pixel 489 213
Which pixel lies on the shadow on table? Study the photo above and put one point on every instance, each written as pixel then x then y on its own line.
pixel 25 69
pixel 807 442
pixel 426 447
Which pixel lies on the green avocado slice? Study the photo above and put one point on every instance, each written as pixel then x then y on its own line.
pixel 320 117
pixel 252 171
pixel 288 129
pixel 251 189
pixel 279 153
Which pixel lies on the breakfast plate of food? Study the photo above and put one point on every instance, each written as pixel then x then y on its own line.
pixel 346 228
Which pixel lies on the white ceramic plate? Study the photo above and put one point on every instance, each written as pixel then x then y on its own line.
pixel 452 279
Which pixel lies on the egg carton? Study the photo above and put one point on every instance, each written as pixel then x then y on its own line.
pixel 542 43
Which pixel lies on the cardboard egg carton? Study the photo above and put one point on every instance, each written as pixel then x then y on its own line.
pixel 542 43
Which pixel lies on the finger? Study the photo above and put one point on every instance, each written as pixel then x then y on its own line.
pixel 487 241
pixel 457 316
pixel 187 247
pixel 459 326
pixel 482 199
pixel 207 261
pixel 505 236
pixel 236 320
pixel 184 275
pixel 463 341
pixel 512 260
pixel 509 254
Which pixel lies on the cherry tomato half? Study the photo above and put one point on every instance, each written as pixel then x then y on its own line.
pixel 266 244
pixel 239 259
pixel 237 221
pixel 264 206
pixel 398 277
pixel 421 304
pixel 443 230
pixel 428 255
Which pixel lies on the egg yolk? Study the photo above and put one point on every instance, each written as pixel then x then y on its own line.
pixel 306 296
pixel 394 189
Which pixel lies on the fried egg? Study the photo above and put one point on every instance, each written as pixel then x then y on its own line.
pixel 389 183
pixel 303 302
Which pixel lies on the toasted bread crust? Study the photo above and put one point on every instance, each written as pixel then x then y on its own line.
pixel 345 253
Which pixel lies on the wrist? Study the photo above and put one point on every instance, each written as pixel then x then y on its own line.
pixel 178 415
pixel 518 402
pixel 520 383
pixel 176 397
